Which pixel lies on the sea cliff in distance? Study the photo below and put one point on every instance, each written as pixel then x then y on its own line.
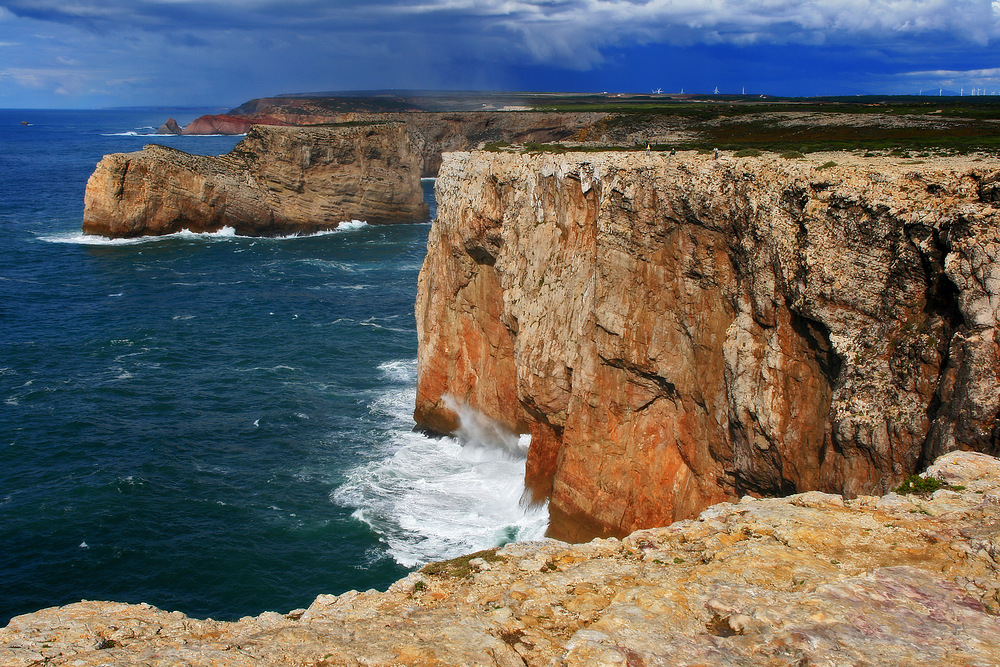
pixel 276 181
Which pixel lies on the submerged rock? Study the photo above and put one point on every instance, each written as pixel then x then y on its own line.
pixel 808 579
pixel 277 180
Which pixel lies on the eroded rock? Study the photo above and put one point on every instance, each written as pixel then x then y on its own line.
pixel 678 330
pixel 277 180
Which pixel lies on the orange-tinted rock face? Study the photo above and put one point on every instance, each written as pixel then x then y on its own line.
pixel 276 181
pixel 678 331
pixel 227 124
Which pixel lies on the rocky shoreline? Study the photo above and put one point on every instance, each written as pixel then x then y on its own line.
pixel 809 579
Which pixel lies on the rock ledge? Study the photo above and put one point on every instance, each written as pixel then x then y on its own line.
pixel 809 579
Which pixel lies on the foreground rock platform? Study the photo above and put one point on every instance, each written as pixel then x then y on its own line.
pixel 810 579
pixel 278 180
pixel 677 330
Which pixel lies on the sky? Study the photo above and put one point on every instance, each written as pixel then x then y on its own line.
pixel 106 53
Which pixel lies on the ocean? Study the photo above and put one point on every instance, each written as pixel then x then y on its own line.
pixel 209 423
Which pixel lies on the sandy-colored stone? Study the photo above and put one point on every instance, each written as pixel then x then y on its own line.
pixel 277 180
pixel 809 579
pixel 679 330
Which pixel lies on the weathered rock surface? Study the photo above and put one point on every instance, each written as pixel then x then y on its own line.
pixel 276 181
pixel 811 579
pixel 678 331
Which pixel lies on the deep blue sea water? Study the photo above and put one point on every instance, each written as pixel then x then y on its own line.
pixel 214 424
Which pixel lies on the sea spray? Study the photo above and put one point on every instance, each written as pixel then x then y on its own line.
pixel 432 498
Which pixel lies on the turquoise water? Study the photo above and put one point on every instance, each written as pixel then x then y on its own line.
pixel 210 423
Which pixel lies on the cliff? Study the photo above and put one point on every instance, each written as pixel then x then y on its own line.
pixel 227 124
pixel 676 331
pixel 810 579
pixel 276 181
pixel 430 133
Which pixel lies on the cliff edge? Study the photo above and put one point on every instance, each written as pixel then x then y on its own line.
pixel 811 579
pixel 278 180
pixel 676 331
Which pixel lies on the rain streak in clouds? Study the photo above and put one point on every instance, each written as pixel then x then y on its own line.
pixel 90 52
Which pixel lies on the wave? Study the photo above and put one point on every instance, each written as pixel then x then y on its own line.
pixel 151 132
pixel 226 233
pixel 430 499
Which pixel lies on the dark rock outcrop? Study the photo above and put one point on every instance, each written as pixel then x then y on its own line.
pixel 276 181
pixel 170 127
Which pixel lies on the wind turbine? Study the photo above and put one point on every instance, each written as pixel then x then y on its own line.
pixel 658 91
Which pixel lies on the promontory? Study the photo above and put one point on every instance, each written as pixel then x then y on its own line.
pixel 277 180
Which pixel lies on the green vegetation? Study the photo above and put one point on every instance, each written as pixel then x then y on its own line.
pixel 827 165
pixel 535 147
pixel 923 486
pixel 748 152
pixel 459 568
pixel 496 146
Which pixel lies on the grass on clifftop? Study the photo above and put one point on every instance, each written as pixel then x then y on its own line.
pixel 459 568
pixel 923 486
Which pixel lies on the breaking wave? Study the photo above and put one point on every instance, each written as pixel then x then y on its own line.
pixel 431 498
pixel 226 233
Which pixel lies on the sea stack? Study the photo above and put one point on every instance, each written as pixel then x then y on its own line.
pixel 169 127
pixel 676 331
pixel 278 180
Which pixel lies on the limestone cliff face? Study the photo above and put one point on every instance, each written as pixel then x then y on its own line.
pixel 277 180
pixel 676 331
pixel 807 580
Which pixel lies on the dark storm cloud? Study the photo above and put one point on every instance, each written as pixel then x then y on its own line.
pixel 254 47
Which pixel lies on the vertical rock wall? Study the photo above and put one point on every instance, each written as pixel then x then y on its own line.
pixel 278 180
pixel 674 331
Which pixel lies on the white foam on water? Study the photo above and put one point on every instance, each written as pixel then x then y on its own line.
pixel 151 132
pixel 401 371
pixel 350 225
pixel 225 233
pixel 431 499
pixel 80 238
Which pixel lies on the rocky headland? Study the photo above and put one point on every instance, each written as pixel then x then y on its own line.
pixel 676 331
pixel 813 579
pixel 431 133
pixel 276 181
